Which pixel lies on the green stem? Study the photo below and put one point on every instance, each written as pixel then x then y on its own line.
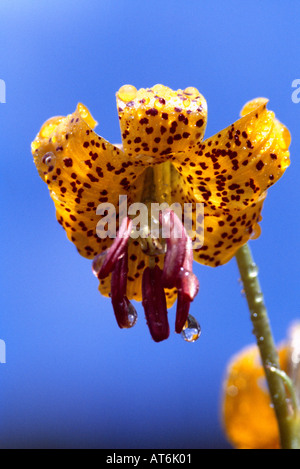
pixel 289 385
pixel 288 424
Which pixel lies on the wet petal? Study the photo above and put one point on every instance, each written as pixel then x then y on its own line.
pixel 82 170
pixel 232 169
pixel 158 121
pixel 217 234
pixel 225 233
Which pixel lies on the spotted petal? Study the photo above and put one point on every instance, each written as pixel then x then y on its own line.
pixel 82 170
pixel 232 169
pixel 158 121
pixel 217 233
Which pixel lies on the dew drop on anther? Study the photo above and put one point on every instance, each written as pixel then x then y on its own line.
pixel 132 316
pixel 191 330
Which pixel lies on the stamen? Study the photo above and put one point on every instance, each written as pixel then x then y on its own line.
pixel 104 263
pixel 176 241
pixel 119 277
pixel 187 287
pixel 125 313
pixel 154 303
pixel 187 282
pixel 182 312
pixel 178 266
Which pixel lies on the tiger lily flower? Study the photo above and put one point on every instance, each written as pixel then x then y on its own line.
pixel 162 159
pixel 248 417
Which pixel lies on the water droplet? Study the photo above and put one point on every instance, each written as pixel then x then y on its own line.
pixel 97 263
pixel 192 330
pixel 159 103
pixel 85 114
pixel 127 93
pixel 253 271
pixel 191 91
pixel 256 232
pixel 49 127
pixel 290 406
pixel 49 159
pixel 146 100
pixel 259 298
pixel 232 391
pixel 132 316
pixel 186 102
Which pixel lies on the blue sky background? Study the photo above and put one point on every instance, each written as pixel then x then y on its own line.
pixel 72 377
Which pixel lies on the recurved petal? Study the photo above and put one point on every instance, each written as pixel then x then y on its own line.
pixel 156 122
pixel 248 418
pixel 82 170
pixel 154 303
pixel 216 234
pixel 226 232
pixel 233 168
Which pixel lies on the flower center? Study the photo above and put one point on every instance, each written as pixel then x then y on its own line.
pixel 176 273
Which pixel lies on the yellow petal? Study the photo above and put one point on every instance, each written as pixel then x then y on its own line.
pixel 249 420
pixel 82 170
pixel 224 232
pixel 234 168
pixel 155 122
